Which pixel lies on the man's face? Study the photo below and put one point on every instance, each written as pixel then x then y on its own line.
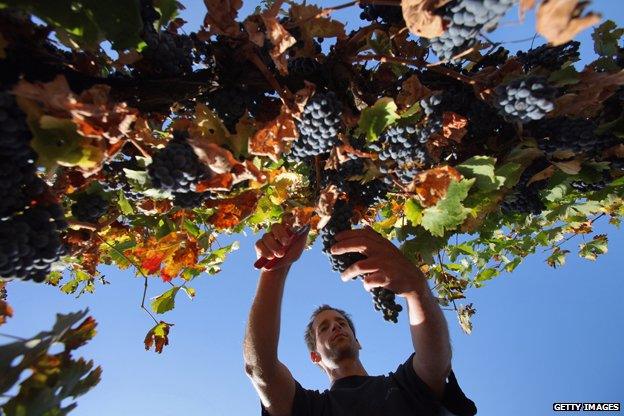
pixel 335 340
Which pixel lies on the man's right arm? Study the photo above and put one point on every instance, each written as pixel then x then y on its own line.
pixel 272 379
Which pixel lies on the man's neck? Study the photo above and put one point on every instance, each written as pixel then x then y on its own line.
pixel 345 368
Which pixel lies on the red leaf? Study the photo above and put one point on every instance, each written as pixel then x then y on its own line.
pixel 152 264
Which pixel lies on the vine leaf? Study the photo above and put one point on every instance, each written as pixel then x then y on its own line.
pixel 412 91
pixel 271 139
pixel 158 337
pixel 314 24
pixel 482 169
pixel 231 211
pixel 606 38
pixel 166 301
pixel 55 377
pixel 559 21
pixel 376 118
pixel 89 23
pixel 557 257
pixel 221 17
pixel 421 18
pixel 280 38
pixel 464 313
pixel 413 211
pixel 449 212
pixel 431 185
pixel 597 246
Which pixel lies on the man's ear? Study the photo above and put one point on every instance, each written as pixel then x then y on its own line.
pixel 315 356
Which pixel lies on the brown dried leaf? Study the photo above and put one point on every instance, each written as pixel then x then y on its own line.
pixel 571 167
pixel 281 40
pixel 221 17
pixel 252 25
pixel 271 139
pixel 454 126
pixel 325 206
pixel 421 19
pixel 431 185
pixel 313 23
pixel 544 174
pixel 560 20
pixel 411 92
pixel 615 151
pixel 158 336
pixel 302 216
pixel 231 211
pixel 525 6
pixel 585 99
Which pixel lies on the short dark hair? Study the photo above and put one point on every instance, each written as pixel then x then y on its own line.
pixel 310 336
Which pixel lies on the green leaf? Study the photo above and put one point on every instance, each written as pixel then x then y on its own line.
pixel 88 22
pixel 486 274
pixel 448 213
pixel 511 172
pixel 124 205
pixel 413 211
pixel 140 176
pixel 217 257
pixel 424 244
pixel 597 246
pixel 615 127
pixel 606 38
pixel 56 141
pixel 376 118
pixel 565 76
pixel 166 301
pixel 482 169
pixel 557 257
pixel 168 9
pixel 191 228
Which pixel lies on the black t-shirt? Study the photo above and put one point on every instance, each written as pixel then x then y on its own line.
pixel 401 393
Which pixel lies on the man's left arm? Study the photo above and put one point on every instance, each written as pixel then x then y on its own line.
pixel 430 337
pixel 385 266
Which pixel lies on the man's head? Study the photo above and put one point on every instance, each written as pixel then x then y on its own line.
pixel 330 336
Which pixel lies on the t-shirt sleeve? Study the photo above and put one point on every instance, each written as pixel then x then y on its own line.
pixel 305 403
pixel 454 401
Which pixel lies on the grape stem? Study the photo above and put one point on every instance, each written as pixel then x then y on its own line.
pixel 138 270
pixel 13 337
pixel 419 63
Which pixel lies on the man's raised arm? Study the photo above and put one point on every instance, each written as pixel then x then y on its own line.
pixel 271 379
pixel 385 266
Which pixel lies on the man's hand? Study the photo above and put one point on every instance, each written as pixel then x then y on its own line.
pixel 385 265
pixel 281 242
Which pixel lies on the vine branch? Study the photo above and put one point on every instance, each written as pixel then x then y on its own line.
pixel 138 270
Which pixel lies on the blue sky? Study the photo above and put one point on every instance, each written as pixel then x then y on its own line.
pixel 540 335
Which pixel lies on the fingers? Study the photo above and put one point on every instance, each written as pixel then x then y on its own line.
pixel 353 245
pixel 373 280
pixel 360 267
pixel 362 233
pixel 275 246
pixel 282 233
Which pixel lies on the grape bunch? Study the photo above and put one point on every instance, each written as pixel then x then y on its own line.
pixel 229 104
pixel 318 128
pixel 549 57
pixel 466 18
pixel 176 167
pixel 525 197
pixel 115 178
pixel 340 220
pixel 190 199
pixel 391 15
pixel 348 179
pixel 574 134
pixel 166 54
pixel 587 187
pixel 304 69
pixel 89 207
pixel 30 242
pixel 525 99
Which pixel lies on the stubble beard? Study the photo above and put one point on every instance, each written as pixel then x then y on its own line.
pixel 342 351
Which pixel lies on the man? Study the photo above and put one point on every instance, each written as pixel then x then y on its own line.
pixel 419 386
